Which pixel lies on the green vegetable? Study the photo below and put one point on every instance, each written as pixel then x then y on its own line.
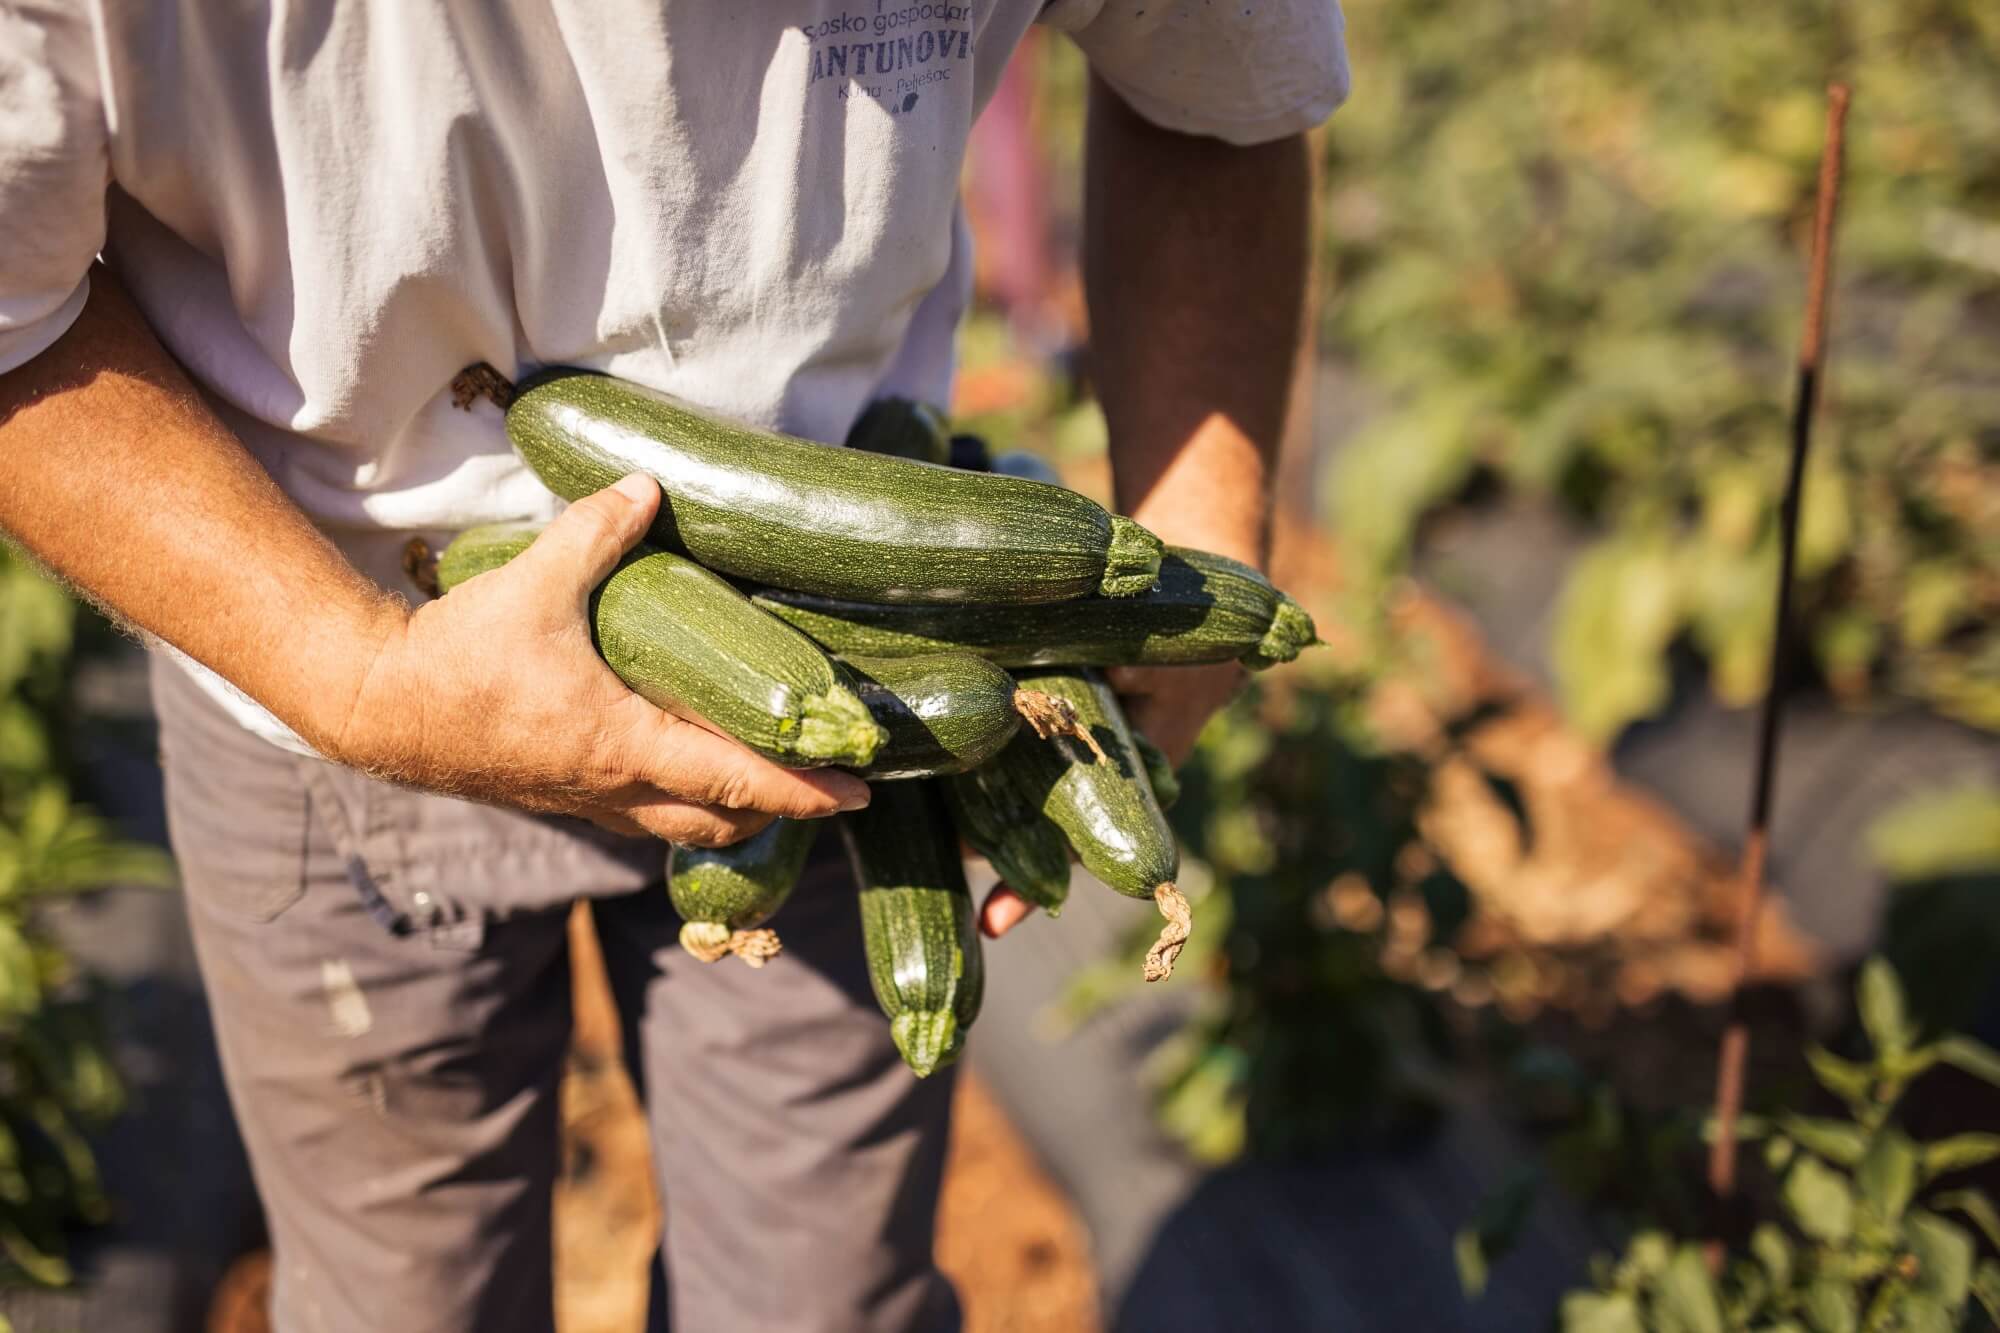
pixel 685 640
pixel 902 428
pixel 840 522
pixel 947 712
pixel 1104 804
pixel 917 921
pixel 1205 608
pixel 1002 819
pixel 725 893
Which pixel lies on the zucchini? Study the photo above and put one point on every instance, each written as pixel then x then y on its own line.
pixel 901 428
pixel 1106 807
pixel 947 712
pixel 1001 818
pixel 838 522
pixel 725 893
pixel 1205 608
pixel 686 641
pixel 917 921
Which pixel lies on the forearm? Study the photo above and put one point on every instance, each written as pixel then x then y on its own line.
pixel 116 475
pixel 1196 266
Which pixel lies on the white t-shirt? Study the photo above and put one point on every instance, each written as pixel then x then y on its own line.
pixel 327 209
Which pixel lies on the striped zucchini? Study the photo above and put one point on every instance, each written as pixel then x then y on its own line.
pixel 838 522
pixel 1106 808
pixel 917 921
pixel 724 894
pixel 946 712
pixel 1002 820
pixel 686 641
pixel 901 428
pixel 1205 608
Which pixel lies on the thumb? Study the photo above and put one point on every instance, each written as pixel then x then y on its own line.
pixel 587 539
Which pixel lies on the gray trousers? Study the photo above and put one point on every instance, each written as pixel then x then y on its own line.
pixel 390 983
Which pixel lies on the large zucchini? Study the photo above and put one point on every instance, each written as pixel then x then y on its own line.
pixel 947 712
pixel 839 522
pixel 685 640
pixel 724 894
pixel 901 428
pixel 1105 807
pixel 1001 818
pixel 917 921
pixel 1205 608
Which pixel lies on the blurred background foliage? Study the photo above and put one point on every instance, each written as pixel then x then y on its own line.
pixel 1565 241
pixel 56 1076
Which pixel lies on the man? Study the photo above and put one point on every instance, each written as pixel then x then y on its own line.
pixel 310 216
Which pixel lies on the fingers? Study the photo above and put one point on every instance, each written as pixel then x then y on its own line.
pixel 586 541
pixel 1003 910
pixel 695 764
pixel 693 825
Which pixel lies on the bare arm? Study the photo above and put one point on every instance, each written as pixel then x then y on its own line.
pixel 1196 264
pixel 1196 256
pixel 116 475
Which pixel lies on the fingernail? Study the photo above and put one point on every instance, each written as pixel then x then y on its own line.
pixel 855 800
pixel 638 486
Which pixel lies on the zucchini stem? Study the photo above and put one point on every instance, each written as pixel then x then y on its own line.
pixel 1132 560
pixel 1291 632
pixel 1173 905
pixel 711 941
pixel 480 380
pixel 1050 717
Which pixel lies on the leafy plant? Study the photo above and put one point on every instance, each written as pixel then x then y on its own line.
pixel 1565 242
pixel 56 1077
pixel 1868 1241
pixel 1314 895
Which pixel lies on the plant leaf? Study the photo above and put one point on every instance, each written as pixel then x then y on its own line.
pixel 1887 1178
pixel 1959 1152
pixel 1600 1312
pixel 1986 1287
pixel 1976 1206
pixel 1774 1254
pixel 1924 1313
pixel 1832 1306
pixel 1819 1200
pixel 1850 1082
pixel 1836 1140
pixel 1944 1254
pixel 1688 1293
pixel 1880 996
pixel 1974 1057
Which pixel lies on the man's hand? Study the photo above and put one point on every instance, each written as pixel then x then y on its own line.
pixel 496 694
pixel 118 476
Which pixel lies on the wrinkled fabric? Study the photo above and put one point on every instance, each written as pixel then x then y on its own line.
pixel 326 210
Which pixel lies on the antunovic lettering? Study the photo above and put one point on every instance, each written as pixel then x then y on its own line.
pixel 861 59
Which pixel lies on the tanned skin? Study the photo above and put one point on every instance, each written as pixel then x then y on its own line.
pixel 1196 258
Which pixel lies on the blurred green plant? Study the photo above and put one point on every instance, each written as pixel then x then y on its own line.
pixel 1866 1242
pixel 56 1076
pixel 1565 240
pixel 1941 852
pixel 1314 896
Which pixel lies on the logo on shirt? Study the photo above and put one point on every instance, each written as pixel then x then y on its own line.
pixel 891 53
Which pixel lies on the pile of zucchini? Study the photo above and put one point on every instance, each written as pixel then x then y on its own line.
pixel 933 628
